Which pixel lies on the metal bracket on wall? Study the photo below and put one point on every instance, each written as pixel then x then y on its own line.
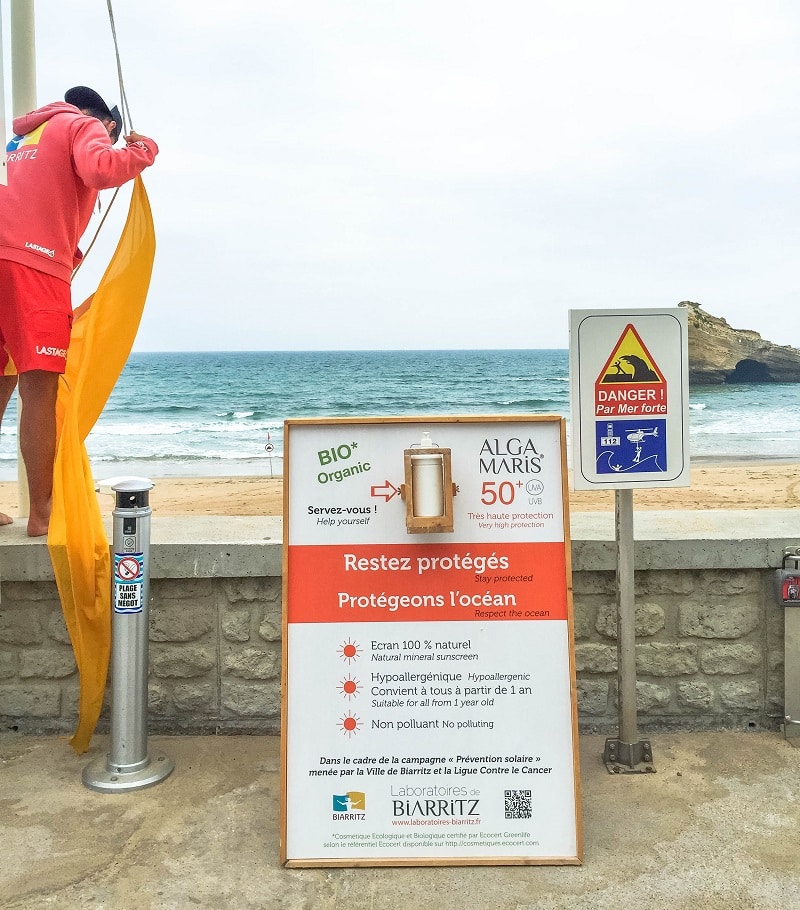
pixel 791 730
pixel 628 758
pixel 791 638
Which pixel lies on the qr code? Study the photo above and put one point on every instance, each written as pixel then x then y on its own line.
pixel 518 803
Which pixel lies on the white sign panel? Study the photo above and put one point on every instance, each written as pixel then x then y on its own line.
pixel 429 712
pixel 630 398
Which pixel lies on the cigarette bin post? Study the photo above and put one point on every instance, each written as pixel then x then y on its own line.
pixel 128 766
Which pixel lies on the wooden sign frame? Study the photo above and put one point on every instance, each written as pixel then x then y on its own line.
pixel 376 769
pixel 421 524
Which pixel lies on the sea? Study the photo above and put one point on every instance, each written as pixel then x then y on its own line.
pixel 221 413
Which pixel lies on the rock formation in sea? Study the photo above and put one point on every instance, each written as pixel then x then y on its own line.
pixel 719 353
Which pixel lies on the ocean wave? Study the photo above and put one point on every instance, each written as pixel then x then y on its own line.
pixel 116 429
pixel 189 457
pixel 766 423
pixel 235 415
pixel 535 379
pixel 151 428
pixel 148 407
pixel 533 404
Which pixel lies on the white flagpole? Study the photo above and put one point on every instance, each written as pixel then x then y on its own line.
pixel 23 58
pixel 3 169
pixel 23 99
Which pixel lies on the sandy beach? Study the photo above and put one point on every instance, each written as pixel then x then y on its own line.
pixel 731 485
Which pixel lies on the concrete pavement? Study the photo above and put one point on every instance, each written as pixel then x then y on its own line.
pixel 717 827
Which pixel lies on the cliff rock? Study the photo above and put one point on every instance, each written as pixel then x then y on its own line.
pixel 719 353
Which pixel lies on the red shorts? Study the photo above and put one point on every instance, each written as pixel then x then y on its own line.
pixel 35 320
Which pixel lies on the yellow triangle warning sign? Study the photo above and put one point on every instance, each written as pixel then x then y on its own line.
pixel 630 361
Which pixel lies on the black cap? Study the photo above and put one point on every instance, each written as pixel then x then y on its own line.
pixel 87 98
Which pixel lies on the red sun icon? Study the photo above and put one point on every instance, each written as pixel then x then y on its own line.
pixel 349 687
pixel 350 724
pixel 350 651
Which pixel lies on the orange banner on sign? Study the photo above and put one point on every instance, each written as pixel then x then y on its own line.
pixel 427 583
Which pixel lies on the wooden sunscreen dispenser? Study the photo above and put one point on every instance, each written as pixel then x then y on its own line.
pixel 428 490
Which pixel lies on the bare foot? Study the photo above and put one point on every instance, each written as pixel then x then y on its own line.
pixel 37 528
pixel 5 519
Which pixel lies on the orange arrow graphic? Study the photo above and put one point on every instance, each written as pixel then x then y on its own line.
pixel 387 491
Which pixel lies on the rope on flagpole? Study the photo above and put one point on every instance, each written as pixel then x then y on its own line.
pixel 126 127
pixel 123 97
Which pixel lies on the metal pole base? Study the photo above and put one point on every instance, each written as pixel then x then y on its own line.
pixel 102 776
pixel 791 730
pixel 628 758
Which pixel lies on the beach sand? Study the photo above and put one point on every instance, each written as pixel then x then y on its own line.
pixel 730 485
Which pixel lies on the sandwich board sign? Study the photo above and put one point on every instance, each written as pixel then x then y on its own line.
pixel 429 713
pixel 630 398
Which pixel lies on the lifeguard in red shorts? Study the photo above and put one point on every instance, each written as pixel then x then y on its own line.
pixel 60 157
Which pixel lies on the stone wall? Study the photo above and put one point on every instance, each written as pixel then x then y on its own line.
pixel 709 634
pixel 215 657
pixel 709 651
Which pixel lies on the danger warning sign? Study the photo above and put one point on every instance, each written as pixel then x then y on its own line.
pixel 629 371
pixel 630 382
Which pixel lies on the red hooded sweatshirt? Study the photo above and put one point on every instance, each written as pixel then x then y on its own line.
pixel 57 161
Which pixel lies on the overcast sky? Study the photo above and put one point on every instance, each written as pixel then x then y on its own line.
pixel 448 173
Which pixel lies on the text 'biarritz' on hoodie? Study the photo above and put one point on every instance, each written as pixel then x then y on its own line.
pixel 57 161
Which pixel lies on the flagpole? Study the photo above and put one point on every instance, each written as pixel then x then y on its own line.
pixel 23 100
pixel 23 58
pixel 3 167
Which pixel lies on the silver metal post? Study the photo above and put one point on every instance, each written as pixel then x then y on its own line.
pixel 626 754
pixel 128 765
pixel 626 616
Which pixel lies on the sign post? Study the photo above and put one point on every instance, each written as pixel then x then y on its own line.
pixel 630 428
pixel 429 710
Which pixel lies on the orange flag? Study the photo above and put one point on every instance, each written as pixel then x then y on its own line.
pixel 102 338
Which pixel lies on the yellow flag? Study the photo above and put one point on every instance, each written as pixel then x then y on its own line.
pixel 102 338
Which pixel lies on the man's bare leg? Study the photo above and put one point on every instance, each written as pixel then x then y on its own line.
pixel 7 385
pixel 37 442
